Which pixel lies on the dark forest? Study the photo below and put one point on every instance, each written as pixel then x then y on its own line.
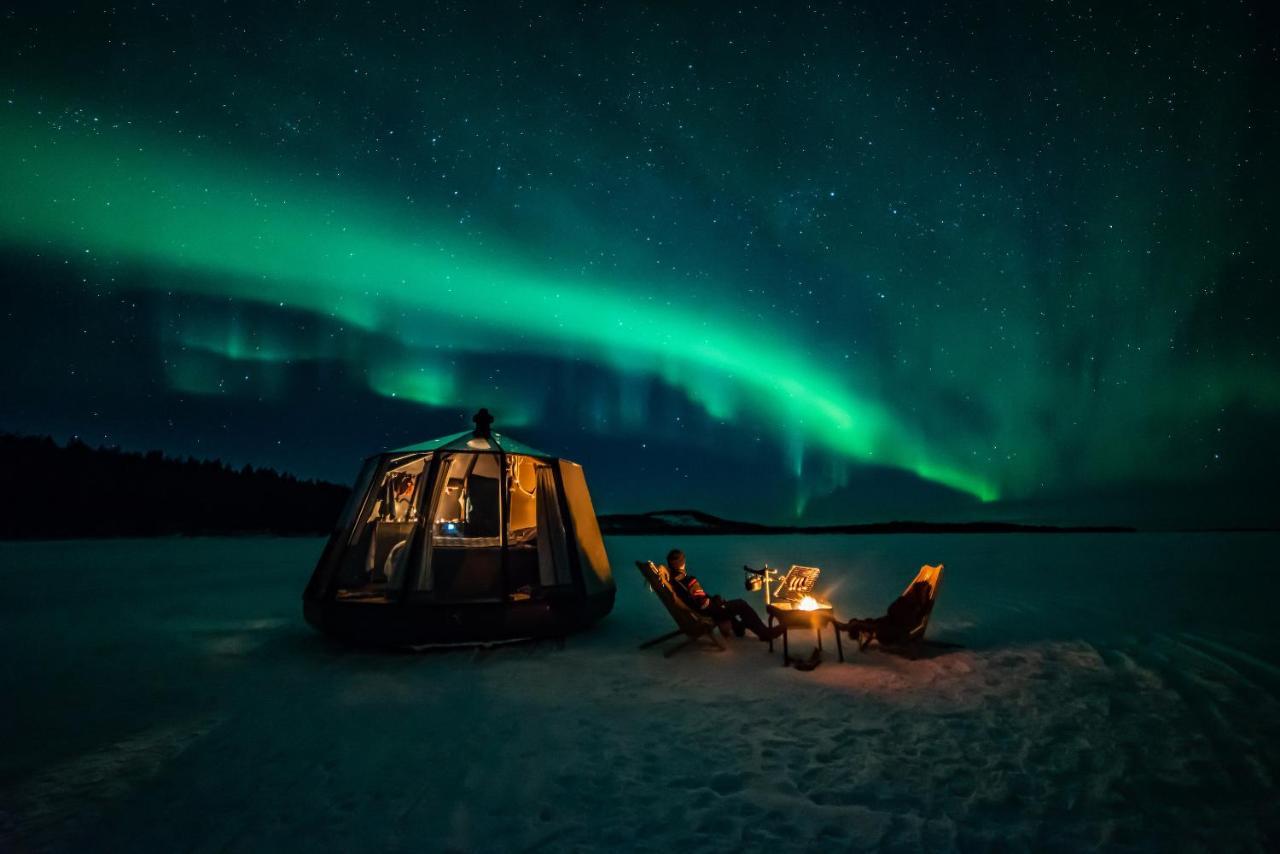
pixel 74 490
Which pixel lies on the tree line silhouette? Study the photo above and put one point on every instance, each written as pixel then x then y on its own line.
pixel 55 491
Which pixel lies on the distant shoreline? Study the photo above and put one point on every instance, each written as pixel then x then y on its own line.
pixel 696 523
pixel 123 495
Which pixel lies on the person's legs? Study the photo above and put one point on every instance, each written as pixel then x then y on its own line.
pixel 856 627
pixel 745 616
pixel 862 631
pixel 873 629
pixel 724 619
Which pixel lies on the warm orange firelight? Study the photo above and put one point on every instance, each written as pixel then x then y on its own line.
pixel 808 603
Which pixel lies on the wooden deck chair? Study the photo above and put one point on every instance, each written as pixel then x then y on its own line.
pixel 690 623
pixel 931 575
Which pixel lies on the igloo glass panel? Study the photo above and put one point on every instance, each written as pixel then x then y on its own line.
pixel 377 553
pixel 522 526
pixel 469 512
pixel 465 559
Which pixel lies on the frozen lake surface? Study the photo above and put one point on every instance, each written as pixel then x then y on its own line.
pixel 1116 691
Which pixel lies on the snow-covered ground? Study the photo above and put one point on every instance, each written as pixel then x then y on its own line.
pixel 1113 691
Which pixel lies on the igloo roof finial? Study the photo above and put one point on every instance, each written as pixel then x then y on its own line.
pixel 483 421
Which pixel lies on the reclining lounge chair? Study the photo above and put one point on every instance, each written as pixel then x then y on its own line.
pixel 691 624
pixel 903 637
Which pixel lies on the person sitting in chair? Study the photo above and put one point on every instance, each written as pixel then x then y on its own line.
pixel 401 495
pixel 904 614
pixel 737 613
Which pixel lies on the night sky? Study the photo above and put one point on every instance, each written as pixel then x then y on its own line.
pixel 928 261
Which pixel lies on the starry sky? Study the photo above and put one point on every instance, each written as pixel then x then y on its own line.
pixel 775 261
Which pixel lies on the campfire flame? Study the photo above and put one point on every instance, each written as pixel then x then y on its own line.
pixel 808 603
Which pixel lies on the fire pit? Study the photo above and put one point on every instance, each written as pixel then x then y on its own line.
pixel 806 613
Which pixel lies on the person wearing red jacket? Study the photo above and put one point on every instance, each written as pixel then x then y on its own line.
pixel 736 612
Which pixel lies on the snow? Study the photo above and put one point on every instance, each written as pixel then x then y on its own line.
pixel 1112 691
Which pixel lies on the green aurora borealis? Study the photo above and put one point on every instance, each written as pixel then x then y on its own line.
pixel 1023 257
pixel 321 253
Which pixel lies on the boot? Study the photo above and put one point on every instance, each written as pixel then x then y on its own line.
pixel 772 633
